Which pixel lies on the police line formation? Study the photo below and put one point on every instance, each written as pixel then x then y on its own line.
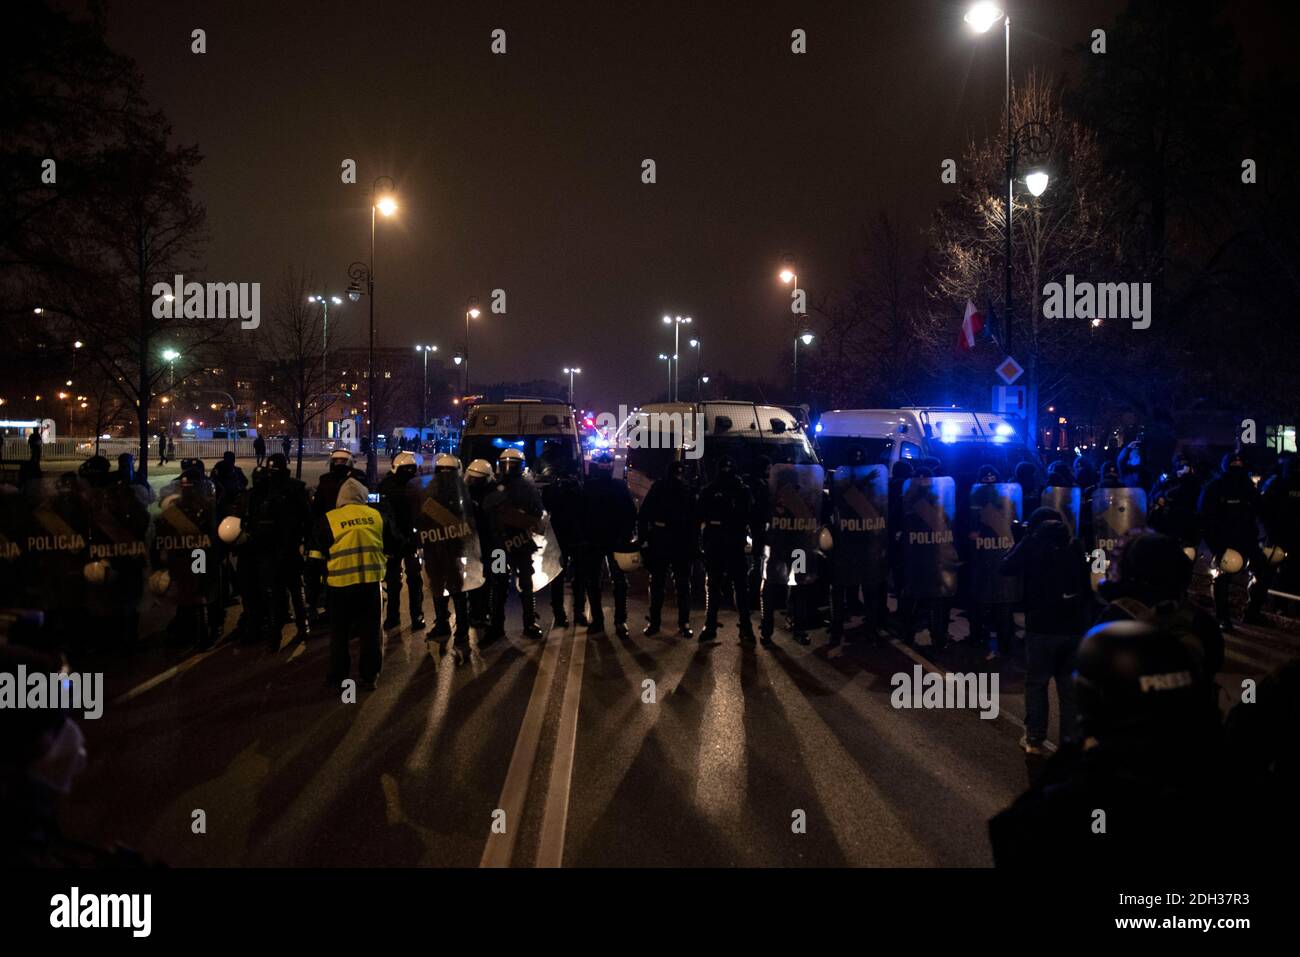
pixel 84 547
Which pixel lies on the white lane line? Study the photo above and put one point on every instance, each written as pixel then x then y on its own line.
pixel 156 680
pixel 555 815
pixel 928 665
pixel 500 847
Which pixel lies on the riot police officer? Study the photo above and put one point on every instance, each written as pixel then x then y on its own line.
pixel 446 533
pixel 668 529
pixel 563 500
pixel 1280 507
pixel 281 517
pixel 1174 500
pixel 758 482
pixel 514 508
pixel 341 468
pixel 399 496
pixel 186 525
pixel 898 476
pixel 478 482
pixel 993 595
pixel 857 516
pixel 1229 514
pixel 608 525
pixel 726 510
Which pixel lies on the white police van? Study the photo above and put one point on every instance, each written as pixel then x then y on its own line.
pixel 961 439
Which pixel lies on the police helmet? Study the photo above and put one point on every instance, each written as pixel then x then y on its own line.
pixel 511 463
pixel 278 463
pixel 446 463
pixel 95 470
pixel 341 460
pixel 229 529
pixel 479 470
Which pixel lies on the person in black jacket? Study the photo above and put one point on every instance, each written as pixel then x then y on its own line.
pixel 725 510
pixel 760 493
pixel 901 472
pixel 563 500
pixel 399 496
pixel 1149 766
pixel 668 529
pixel 1151 578
pixel 1174 498
pixel 608 525
pixel 1229 514
pixel 280 518
pixel 1055 573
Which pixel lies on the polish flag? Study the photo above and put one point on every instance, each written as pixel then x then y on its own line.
pixel 972 324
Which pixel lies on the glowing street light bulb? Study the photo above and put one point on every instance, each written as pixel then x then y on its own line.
pixel 806 338
pixel 1037 182
pixel 786 276
pixel 982 16
pixel 387 205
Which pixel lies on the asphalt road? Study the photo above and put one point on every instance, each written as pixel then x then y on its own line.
pixel 560 752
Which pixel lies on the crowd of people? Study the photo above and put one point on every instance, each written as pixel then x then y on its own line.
pixel 819 548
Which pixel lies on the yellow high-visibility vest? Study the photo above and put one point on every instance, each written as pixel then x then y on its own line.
pixel 357 555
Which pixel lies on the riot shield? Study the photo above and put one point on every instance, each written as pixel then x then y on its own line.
pixel 929 547
pixel 859 524
pixel 1116 512
pixel 13 521
pixel 186 524
pixel 119 553
pixel 1066 501
pixel 57 551
pixel 448 536
pixel 525 536
pixel 993 510
pixel 795 522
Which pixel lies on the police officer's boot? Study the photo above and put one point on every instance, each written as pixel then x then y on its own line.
pixel 557 602
pixel 301 617
pixel 710 631
pixel 441 612
pixel 393 607
pixel 529 602
pixel 838 602
pixel 496 602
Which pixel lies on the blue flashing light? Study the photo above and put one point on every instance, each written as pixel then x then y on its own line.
pixel 817 428
pixel 1005 430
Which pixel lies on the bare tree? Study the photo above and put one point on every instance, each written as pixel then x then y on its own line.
pixel 292 348
pixel 1072 228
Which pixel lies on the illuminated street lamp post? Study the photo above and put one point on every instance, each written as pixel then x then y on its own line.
pixel 471 312
pixel 424 396
pixel 699 353
pixel 1037 138
pixel 360 272
pixel 664 357
pixel 677 322
pixel 806 338
pixel 571 372
pixel 325 301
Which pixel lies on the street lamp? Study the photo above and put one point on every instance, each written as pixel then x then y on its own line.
pixel 324 301
pixel 424 396
pixel 664 357
pixel 359 273
pixel 471 312
pixel 571 372
pixel 699 353
pixel 676 322
pixel 1038 139
pixel 789 273
pixel 806 337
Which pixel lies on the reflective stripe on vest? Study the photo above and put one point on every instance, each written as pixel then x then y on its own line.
pixel 357 555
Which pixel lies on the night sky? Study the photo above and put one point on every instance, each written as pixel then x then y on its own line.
pixel 523 171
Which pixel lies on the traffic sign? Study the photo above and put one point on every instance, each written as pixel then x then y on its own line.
pixel 1009 371
pixel 1010 400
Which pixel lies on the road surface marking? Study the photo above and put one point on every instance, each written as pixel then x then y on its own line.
pixel 928 665
pixel 555 814
pixel 156 680
pixel 500 847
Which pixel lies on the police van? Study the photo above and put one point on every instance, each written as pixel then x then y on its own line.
pixel 743 430
pixel 962 440
pixel 545 432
